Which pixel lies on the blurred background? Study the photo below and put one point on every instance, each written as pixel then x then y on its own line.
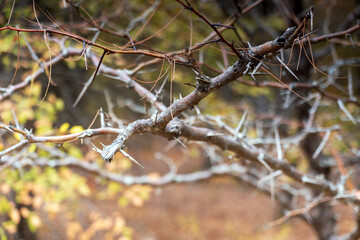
pixel 46 192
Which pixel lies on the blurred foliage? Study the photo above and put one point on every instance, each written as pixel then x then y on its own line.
pixel 48 190
pixel 59 191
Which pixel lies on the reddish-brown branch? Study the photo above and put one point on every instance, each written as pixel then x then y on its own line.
pixel 251 6
pixel 91 22
pixel 97 68
pixel 90 43
pixel 189 7
pixel 332 35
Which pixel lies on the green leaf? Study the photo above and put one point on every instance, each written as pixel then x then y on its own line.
pixel 2 234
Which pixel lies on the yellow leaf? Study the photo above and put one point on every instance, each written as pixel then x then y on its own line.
pixel 35 221
pixel 10 227
pixel 38 201
pixel 123 201
pixel 15 215
pixel 5 188
pixel 17 136
pixel 32 148
pixel 6 116
pixel 64 127
pixel 137 201
pixel 25 212
pixel 75 152
pixel 59 104
pixel 76 129
pixel 251 133
pixel 84 190
pixel 119 225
